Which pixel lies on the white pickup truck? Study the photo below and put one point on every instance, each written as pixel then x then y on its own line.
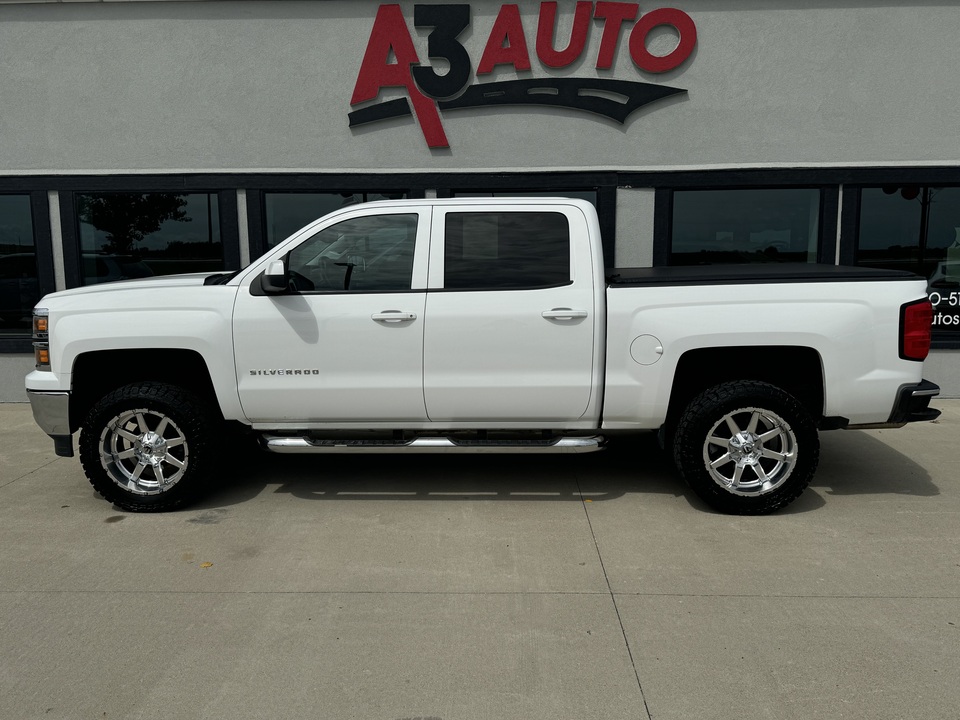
pixel 476 326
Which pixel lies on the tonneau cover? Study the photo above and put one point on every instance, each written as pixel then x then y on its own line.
pixel 748 274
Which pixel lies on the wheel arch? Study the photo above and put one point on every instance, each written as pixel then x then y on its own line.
pixel 797 370
pixel 99 372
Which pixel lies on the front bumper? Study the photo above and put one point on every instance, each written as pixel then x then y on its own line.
pixel 51 410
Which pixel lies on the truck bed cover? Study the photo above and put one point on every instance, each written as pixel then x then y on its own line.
pixel 749 274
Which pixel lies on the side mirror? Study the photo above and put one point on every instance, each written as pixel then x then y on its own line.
pixel 275 280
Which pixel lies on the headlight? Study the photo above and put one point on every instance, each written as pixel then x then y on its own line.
pixel 41 335
pixel 41 316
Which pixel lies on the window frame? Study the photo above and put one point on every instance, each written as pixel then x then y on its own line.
pixel 517 210
pixel 43 250
pixel 239 188
pixel 227 215
pixel 828 207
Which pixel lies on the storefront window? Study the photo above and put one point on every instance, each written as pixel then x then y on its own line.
pixel 288 212
pixel 745 226
pixel 917 229
pixel 19 283
pixel 132 235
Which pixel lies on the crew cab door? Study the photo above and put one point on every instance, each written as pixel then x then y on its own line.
pixel 511 315
pixel 346 344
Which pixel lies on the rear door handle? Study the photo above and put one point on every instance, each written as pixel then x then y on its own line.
pixel 563 314
pixel 394 316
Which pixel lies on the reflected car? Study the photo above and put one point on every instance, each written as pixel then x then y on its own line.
pixel 109 268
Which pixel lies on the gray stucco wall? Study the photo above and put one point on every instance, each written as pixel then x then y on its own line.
pixel 635 208
pixel 109 87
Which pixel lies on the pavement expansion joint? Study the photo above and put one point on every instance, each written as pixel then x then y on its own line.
pixel 616 609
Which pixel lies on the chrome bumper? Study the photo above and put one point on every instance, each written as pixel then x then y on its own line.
pixel 51 410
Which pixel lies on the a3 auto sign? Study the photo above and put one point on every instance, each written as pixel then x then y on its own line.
pixel 391 61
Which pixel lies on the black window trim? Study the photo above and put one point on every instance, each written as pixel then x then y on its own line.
pixel 43 248
pixel 828 205
pixel 70 225
pixel 415 184
pixel 570 281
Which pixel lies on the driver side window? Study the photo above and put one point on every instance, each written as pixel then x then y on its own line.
pixel 364 254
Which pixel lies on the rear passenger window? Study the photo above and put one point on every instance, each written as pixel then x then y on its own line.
pixel 506 250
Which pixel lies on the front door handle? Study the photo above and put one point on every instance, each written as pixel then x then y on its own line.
pixel 563 314
pixel 394 316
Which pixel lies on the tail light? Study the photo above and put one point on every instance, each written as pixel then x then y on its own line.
pixel 916 319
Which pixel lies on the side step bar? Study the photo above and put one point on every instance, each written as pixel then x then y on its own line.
pixel 299 444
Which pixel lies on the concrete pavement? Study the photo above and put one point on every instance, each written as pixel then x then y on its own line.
pixel 485 587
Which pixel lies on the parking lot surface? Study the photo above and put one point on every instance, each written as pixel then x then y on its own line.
pixel 485 587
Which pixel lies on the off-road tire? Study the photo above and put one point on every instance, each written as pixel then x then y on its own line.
pixel 764 466
pixel 145 447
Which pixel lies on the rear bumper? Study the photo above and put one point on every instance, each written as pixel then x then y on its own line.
pixel 913 404
pixel 51 410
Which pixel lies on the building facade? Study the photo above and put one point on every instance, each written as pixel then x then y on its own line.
pixel 147 137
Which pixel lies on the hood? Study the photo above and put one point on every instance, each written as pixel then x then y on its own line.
pixel 151 283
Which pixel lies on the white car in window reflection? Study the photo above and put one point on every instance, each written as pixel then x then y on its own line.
pixel 109 268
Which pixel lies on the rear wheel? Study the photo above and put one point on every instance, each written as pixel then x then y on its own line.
pixel 746 447
pixel 144 447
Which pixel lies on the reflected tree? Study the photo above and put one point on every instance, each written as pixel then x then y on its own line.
pixel 127 218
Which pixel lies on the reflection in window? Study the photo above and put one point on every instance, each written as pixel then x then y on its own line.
pixel 489 250
pixel 916 229
pixel 133 235
pixel 288 212
pixel 19 283
pixel 911 228
pixel 364 254
pixel 745 226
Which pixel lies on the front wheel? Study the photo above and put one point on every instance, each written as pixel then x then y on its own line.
pixel 746 447
pixel 144 447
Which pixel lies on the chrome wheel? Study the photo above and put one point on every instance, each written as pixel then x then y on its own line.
pixel 750 451
pixel 746 447
pixel 144 451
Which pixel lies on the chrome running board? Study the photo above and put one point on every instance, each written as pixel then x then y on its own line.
pixel 300 444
